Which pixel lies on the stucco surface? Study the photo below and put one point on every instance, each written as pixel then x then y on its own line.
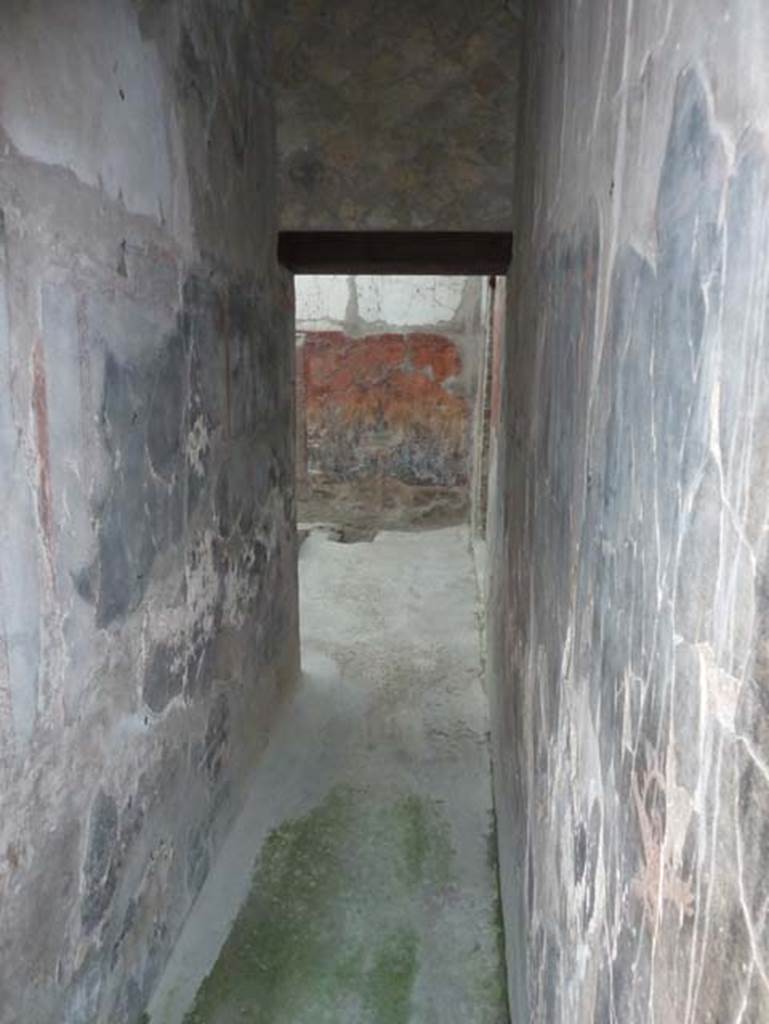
pixel 147 576
pixel 396 115
pixel 629 540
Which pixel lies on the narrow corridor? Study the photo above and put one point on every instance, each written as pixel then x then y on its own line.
pixel 373 897
pixel 388 267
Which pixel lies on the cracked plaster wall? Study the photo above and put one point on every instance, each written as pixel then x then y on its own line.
pixel 629 602
pixel 147 552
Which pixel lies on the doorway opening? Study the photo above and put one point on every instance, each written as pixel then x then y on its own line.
pixel 398 346
pixel 393 378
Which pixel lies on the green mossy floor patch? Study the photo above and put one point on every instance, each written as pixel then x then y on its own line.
pixel 330 930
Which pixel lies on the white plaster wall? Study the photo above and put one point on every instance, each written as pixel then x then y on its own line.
pixel 120 140
pixel 330 300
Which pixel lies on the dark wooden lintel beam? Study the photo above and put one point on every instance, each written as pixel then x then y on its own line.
pixel 395 252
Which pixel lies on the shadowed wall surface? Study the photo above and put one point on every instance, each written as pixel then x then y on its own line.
pixel 147 556
pixel 628 610
pixel 396 115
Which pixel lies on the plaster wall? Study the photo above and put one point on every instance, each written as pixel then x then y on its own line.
pixel 147 554
pixel 396 115
pixel 629 542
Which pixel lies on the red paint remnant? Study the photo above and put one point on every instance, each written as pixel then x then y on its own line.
pixel 382 373
pixel 436 353
pixel 366 398
pixel 335 363
pixel 42 440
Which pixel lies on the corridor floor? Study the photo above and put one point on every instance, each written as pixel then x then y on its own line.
pixel 359 885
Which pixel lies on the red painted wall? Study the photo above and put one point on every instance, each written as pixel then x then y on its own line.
pixel 385 405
